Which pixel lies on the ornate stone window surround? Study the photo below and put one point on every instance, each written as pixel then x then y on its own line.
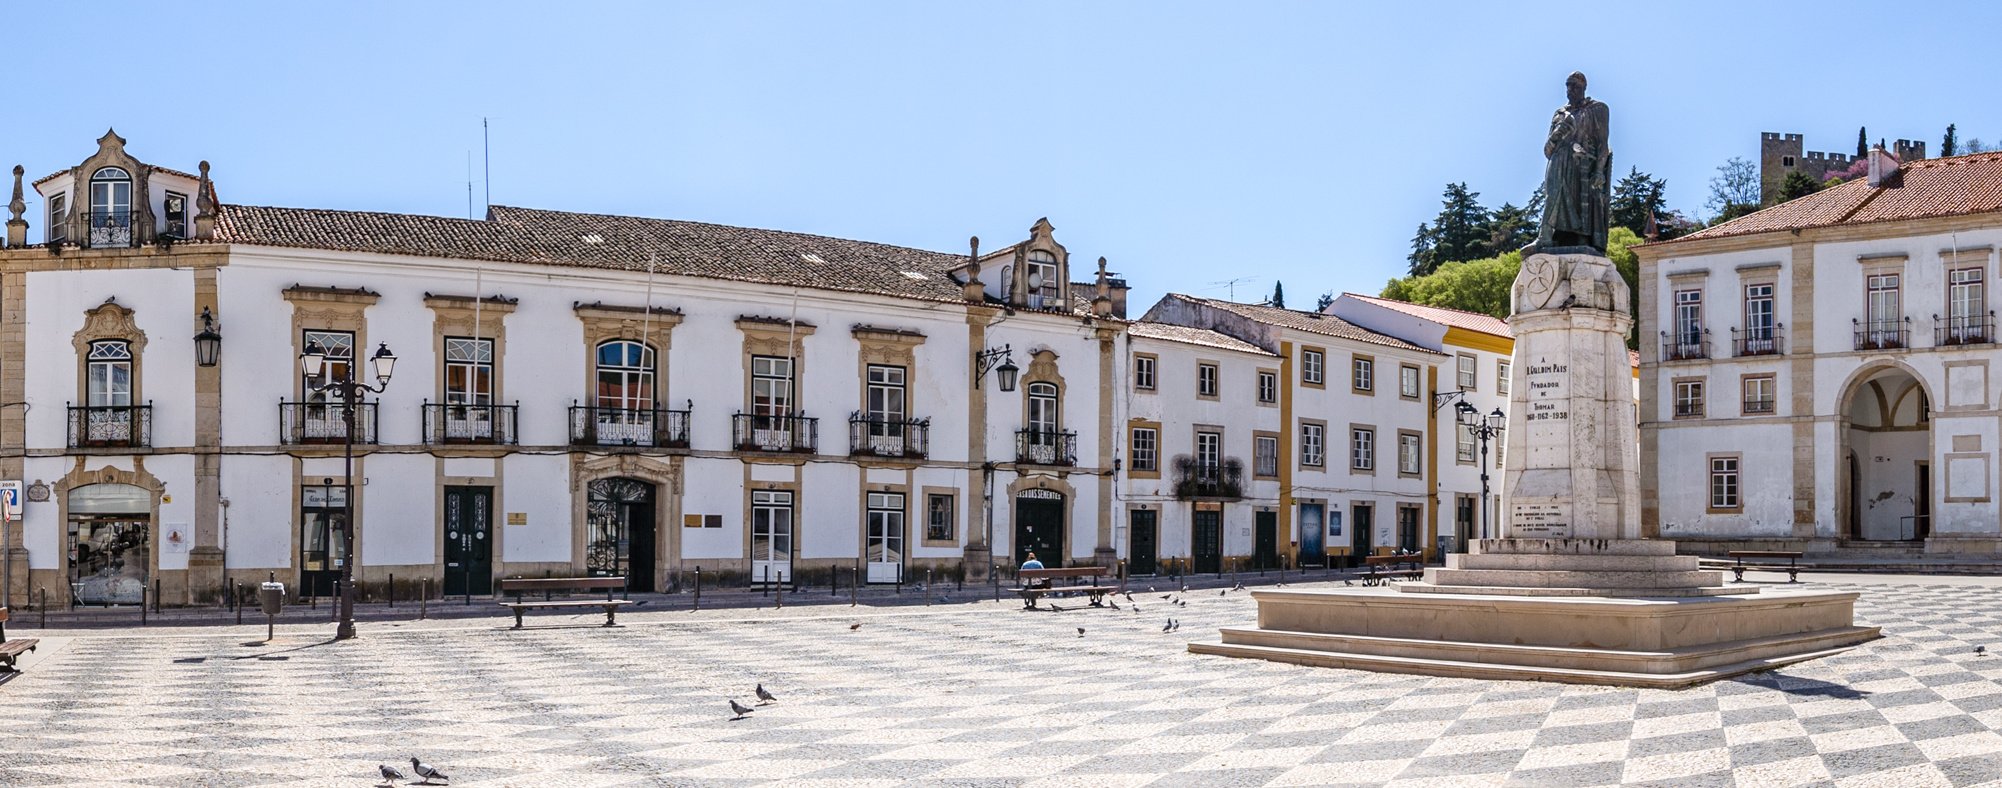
pixel 109 321
pixel 767 336
pixel 328 309
pixel 653 327
pixel 889 347
pixel 1042 369
pixel 464 316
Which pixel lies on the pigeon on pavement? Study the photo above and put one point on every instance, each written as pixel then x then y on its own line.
pixel 1080 631
pixel 425 771
pixel 1178 625
pixel 855 626
pixel 764 697
pixel 389 774
pixel 1981 649
pixel 1225 592
pixel 1168 627
pixel 740 709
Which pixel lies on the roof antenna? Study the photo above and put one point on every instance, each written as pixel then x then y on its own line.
pixel 469 184
pixel 487 162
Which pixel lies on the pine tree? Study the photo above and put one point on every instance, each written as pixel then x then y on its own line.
pixel 1636 197
pixel 1421 251
pixel 1510 228
pixel 1326 300
pixel 1797 185
pixel 1862 142
pixel 1461 230
pixel 1946 145
pixel 1279 294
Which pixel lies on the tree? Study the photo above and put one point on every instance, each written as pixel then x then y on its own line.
pixel 1797 185
pixel 1461 231
pixel 1946 145
pixel 1279 294
pixel 1862 142
pixel 1973 145
pixel 1510 228
pixel 1735 186
pixel 1326 300
pixel 1635 198
pixel 1421 251
pixel 1473 285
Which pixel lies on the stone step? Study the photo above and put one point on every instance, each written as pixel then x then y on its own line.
pixel 1662 547
pixel 1620 593
pixel 1582 563
pixel 1560 578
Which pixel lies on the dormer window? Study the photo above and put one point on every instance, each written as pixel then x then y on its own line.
pixel 1045 286
pixel 59 214
pixel 176 214
pixel 111 207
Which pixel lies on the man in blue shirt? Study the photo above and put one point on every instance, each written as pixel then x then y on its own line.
pixel 1032 563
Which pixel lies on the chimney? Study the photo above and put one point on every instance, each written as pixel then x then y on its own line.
pixel 1883 166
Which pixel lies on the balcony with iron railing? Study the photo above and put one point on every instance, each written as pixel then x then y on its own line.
pixel 1689 409
pixel 1964 330
pixel 879 436
pixel 644 428
pixel 106 229
pixel 469 424
pixel 1764 341
pixel 788 434
pixel 1199 480
pixel 321 423
pixel 1758 406
pixel 110 426
pixel 1046 447
pixel 1888 334
pixel 1693 343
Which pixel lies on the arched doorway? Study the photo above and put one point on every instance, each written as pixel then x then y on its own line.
pixel 1887 457
pixel 110 543
pixel 621 540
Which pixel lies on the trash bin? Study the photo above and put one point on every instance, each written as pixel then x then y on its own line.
pixel 271 596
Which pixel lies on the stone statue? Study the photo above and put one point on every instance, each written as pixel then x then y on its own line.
pixel 1575 184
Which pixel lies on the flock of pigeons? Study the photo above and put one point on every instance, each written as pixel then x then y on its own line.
pixel 391 774
pixel 764 697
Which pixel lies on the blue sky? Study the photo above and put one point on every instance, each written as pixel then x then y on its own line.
pixel 1189 143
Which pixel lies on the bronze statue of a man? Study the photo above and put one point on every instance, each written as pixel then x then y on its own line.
pixel 1575 183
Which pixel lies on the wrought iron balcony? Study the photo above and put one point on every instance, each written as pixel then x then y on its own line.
pixel 321 423
pixel 469 424
pixel 109 229
pixel 1045 447
pixel 1759 407
pixel 872 436
pixel 1684 345
pixel 1767 341
pixel 1964 330
pixel 110 426
pixel 1883 334
pixel 1689 409
pixel 653 428
pixel 1195 479
pixel 792 434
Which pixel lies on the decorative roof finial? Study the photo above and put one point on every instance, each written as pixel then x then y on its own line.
pixel 1101 300
pixel 206 207
pixel 973 290
pixel 17 227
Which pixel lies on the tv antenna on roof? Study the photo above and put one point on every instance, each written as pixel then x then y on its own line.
pixel 1232 284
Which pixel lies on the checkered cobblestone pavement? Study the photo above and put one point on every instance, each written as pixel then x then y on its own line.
pixel 973 694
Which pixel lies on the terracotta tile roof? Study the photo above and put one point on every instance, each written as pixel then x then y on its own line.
pixel 1310 322
pixel 1457 318
pixel 679 248
pixel 1193 336
pixel 1952 186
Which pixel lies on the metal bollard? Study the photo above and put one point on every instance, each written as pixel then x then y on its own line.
pixel 45 607
pixel 236 596
pixel 392 590
pixel 994 574
pixel 334 602
pixel 142 606
pixel 765 588
pixel 779 593
pixel 927 586
pixel 423 598
pixel 854 589
pixel 156 595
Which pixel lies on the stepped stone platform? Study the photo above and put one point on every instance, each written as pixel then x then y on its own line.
pixel 1590 611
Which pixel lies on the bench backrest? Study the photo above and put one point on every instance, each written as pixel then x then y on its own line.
pixel 1764 554
pixel 1074 571
pixel 561 583
pixel 1379 560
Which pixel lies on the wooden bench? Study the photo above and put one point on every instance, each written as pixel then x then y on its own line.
pixel 549 585
pixel 1414 563
pixel 1036 583
pixel 11 650
pixel 1792 564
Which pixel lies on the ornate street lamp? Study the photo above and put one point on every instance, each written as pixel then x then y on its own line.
pixel 1006 374
pixel 1484 429
pixel 313 362
pixel 208 343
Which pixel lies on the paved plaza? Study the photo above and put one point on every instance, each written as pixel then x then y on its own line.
pixel 974 693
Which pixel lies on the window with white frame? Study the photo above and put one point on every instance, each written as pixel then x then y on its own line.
pixel 1688 399
pixel 1966 308
pixel 625 376
pixel 469 371
pixel 108 374
pixel 1362 449
pixel 1407 381
pixel 1500 443
pixel 1759 394
pixel 1723 482
pixel 1268 387
pixel 1501 378
pixel 771 391
pixel 1469 379
pixel 1209 449
pixel 1760 320
pixel 1313 445
pixel 1365 374
pixel 1688 323
pixel 1265 456
pixel 59 214
pixel 1311 368
pixel 1044 283
pixel 1463 444
pixel 1043 417
pixel 1206 380
pixel 938 517
pixel 1143 373
pixel 1408 453
pixel 1883 311
pixel 1146 449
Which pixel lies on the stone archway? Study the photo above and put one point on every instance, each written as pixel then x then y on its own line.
pixel 1884 461
pixel 148 487
pixel 664 475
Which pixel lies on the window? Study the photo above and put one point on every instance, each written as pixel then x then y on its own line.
pixel 1268 387
pixel 1362 449
pixel 1045 286
pixel 1723 482
pixel 1265 455
pixel 1209 449
pixel 1501 378
pixel 625 375
pixel 108 375
pixel 938 517
pixel 1365 374
pixel 1408 454
pixel 1313 445
pixel 1463 444
pixel 1310 367
pixel 885 406
pixel 1468 379
pixel 1043 409
pixel 1407 381
pixel 1966 308
pixel 771 389
pixel 1206 380
pixel 1143 373
pixel 59 215
pixel 1786 161
pixel 1500 445
pixel 885 542
pixel 322 508
pixel 1883 311
pixel 339 347
pixel 1759 394
pixel 1688 399
pixel 1759 320
pixel 771 526
pixel 469 371
pixel 111 207
pixel 1688 324
pixel 1145 448
pixel 176 206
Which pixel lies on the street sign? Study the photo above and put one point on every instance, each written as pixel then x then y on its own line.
pixel 10 499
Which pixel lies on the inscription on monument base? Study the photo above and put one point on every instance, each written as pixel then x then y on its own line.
pixel 1528 520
